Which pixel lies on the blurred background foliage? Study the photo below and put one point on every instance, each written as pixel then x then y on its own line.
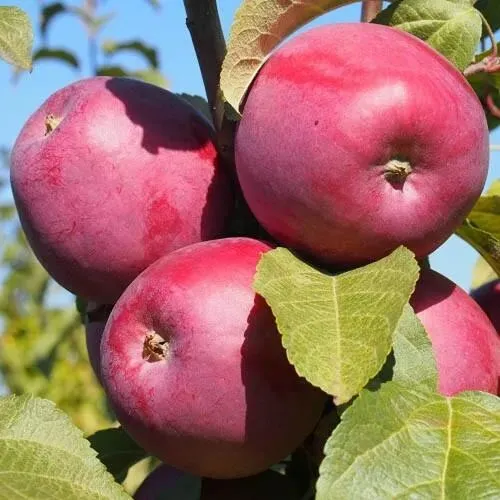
pixel 42 342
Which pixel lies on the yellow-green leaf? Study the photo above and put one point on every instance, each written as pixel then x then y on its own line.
pixel 337 330
pixel 415 362
pixel 452 27
pixel 404 442
pixel 259 26
pixel 481 229
pixel 16 37
pixel 42 455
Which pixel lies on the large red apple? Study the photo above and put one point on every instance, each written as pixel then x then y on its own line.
pixel 358 138
pixel 267 485
pixel 193 365
pixel 465 343
pixel 488 297
pixel 108 175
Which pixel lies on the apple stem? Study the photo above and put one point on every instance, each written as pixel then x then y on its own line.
pixel 396 171
pixel 51 123
pixel 155 348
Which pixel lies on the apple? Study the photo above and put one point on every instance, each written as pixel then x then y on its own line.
pixel 465 343
pixel 488 297
pixel 358 138
pixel 95 322
pixel 194 368
pixel 110 174
pixel 267 485
pixel 158 483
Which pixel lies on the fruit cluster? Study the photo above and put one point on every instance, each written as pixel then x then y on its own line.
pixel 341 157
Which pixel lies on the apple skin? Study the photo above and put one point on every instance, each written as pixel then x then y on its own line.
pixel 488 298
pixel 128 175
pixel 267 485
pixel 325 117
pixel 223 402
pixel 157 482
pixel 95 322
pixel 93 336
pixel 465 343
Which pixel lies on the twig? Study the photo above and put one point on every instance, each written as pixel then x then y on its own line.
pixel 370 9
pixel 205 28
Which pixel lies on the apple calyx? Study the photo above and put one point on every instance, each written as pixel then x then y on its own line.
pixel 155 348
pixel 396 171
pixel 51 123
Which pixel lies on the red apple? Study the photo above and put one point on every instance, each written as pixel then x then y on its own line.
pixel 110 174
pixel 488 297
pixel 194 368
pixel 95 323
pixel 158 482
pixel 465 343
pixel 268 485
pixel 358 138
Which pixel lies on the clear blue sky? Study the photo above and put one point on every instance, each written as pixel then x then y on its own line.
pixel 165 30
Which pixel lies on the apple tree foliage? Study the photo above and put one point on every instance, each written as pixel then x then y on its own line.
pixel 392 434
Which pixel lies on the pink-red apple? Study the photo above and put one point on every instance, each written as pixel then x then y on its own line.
pixel 465 343
pixel 110 174
pixel 159 482
pixel 193 365
pixel 95 322
pixel 488 297
pixel 267 485
pixel 358 138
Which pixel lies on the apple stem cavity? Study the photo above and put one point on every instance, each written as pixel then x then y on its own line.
pixel 155 348
pixel 396 171
pixel 51 123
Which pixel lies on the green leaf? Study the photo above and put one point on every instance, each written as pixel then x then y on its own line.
pixel 481 229
pixel 452 27
pixel 152 76
pixel 337 330
pixel 49 12
pixel 415 362
pixel 403 442
pixel 117 451
pixel 485 243
pixel 44 456
pixel 16 37
pixel 198 103
pixel 482 274
pixel 111 47
pixel 93 23
pixel 58 54
pixel 111 71
pixel 259 26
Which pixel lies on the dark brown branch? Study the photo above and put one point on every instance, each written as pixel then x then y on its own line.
pixel 203 22
pixel 370 9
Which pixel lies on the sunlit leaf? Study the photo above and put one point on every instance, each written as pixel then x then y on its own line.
pixel 405 442
pixel 452 27
pixel 16 37
pixel 337 330
pixel 43 455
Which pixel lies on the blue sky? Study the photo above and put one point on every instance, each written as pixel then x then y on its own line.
pixel 166 30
